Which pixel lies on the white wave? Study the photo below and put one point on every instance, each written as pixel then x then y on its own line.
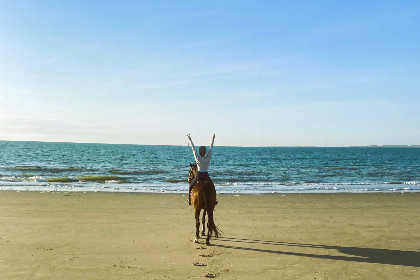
pixel 412 183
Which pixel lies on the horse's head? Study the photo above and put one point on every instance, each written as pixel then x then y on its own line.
pixel 193 172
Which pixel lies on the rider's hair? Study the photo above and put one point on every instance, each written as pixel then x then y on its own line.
pixel 202 151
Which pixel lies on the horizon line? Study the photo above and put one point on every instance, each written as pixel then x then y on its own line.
pixel 237 146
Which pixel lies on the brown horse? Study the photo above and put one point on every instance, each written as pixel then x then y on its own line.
pixel 202 197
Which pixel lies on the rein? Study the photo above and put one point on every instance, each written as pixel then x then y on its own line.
pixel 191 172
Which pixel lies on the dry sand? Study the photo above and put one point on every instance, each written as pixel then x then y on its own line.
pixel 146 236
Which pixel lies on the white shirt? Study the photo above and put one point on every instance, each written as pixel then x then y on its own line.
pixel 203 163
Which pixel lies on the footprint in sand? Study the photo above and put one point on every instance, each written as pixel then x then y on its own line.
pixel 45 249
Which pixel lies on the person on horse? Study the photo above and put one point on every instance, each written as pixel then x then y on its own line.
pixel 203 162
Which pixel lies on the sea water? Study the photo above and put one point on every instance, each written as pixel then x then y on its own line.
pixel 41 166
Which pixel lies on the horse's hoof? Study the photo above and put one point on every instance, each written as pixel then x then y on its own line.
pixel 207 243
pixel 203 234
pixel 196 240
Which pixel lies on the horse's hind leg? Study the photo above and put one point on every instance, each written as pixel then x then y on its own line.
pixel 197 225
pixel 203 221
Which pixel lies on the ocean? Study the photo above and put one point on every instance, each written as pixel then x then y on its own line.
pixel 42 166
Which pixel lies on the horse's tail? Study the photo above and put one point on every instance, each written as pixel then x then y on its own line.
pixel 209 209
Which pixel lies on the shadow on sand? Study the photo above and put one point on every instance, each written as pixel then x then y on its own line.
pixel 356 254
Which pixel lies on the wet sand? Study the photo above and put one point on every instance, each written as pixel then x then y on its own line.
pixel 149 236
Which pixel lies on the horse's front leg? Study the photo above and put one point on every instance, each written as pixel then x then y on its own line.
pixel 197 225
pixel 203 221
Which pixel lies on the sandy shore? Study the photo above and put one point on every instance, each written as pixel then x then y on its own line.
pixel 146 236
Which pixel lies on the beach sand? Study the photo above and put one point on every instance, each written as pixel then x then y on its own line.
pixel 149 236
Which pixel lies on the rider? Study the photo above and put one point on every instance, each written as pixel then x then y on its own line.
pixel 203 161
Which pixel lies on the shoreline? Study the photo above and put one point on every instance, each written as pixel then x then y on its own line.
pixel 184 194
pixel 181 188
pixel 234 193
pixel 90 235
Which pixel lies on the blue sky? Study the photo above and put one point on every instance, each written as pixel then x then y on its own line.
pixel 257 73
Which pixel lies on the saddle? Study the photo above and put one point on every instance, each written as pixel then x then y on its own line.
pixel 203 177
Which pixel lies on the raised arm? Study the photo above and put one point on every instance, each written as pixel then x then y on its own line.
pixel 211 146
pixel 193 147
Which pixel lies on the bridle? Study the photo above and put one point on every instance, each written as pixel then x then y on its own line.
pixel 191 174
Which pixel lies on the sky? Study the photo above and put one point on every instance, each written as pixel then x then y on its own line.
pixel 255 73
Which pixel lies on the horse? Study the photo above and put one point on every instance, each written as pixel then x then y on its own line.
pixel 202 197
